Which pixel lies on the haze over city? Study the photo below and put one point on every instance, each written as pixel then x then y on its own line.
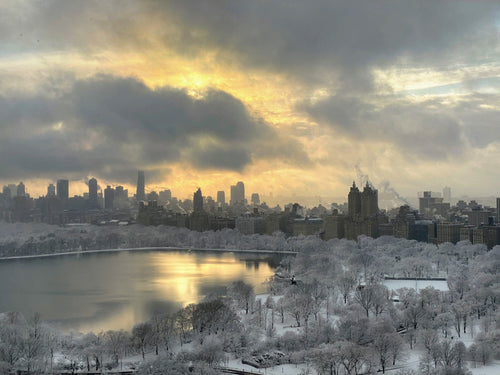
pixel 288 97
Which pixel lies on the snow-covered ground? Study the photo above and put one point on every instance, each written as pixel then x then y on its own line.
pixel 491 369
pixel 416 284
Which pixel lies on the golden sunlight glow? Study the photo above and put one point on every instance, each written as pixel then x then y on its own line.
pixel 57 126
pixel 271 96
pixel 184 282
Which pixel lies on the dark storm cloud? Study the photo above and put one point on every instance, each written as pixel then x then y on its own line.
pixel 219 157
pixel 131 109
pixel 312 38
pixel 110 127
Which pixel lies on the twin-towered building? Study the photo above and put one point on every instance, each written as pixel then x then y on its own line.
pixel 363 216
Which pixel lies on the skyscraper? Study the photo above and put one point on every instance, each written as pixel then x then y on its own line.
pixel 13 190
pixel 369 201
pixel 164 196
pixel 51 190
pixel 255 199
pixel 221 198
pixel 93 200
pixel 447 194
pixel 7 194
pixel 498 210
pixel 109 198
pixel 362 217
pixel 21 190
pixel 197 201
pixel 237 194
pixel 63 189
pixel 429 202
pixel 141 194
pixel 354 201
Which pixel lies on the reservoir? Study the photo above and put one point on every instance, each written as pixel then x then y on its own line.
pixel 104 291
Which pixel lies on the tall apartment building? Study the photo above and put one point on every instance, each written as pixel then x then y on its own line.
pixel 93 198
pixel 197 201
pixel 109 198
pixel 141 192
pixel 448 232
pixel 362 212
pixel 63 189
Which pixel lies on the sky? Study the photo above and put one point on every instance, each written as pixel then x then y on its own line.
pixel 293 97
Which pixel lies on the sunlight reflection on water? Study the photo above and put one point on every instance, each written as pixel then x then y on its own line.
pixel 116 290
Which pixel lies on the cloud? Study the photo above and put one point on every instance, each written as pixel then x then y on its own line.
pixel 429 130
pixel 342 38
pixel 319 41
pixel 433 129
pixel 110 127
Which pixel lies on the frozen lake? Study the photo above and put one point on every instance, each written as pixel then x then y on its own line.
pixel 116 290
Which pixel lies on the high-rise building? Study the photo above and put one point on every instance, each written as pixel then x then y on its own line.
pixel 448 232
pixel 363 204
pixel 141 194
pixel 237 194
pixel 363 216
pixel 197 201
pixel 354 201
pixel 121 197
pixel 7 194
pixel 21 190
pixel 369 201
pixel 255 199
pixel 13 190
pixel 431 204
pixel 221 198
pixel 93 187
pixel 63 189
pixel 119 192
pixel 498 210
pixel 164 196
pixel 447 194
pixel 51 190
pixel 477 217
pixel 109 198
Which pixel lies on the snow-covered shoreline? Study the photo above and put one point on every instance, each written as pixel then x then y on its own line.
pixel 150 248
pixel 20 240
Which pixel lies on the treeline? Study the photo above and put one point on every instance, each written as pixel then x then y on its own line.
pixel 20 239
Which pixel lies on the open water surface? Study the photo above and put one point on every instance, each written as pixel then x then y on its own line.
pixel 99 292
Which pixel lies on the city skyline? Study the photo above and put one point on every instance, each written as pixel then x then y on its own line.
pixel 236 194
pixel 286 96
